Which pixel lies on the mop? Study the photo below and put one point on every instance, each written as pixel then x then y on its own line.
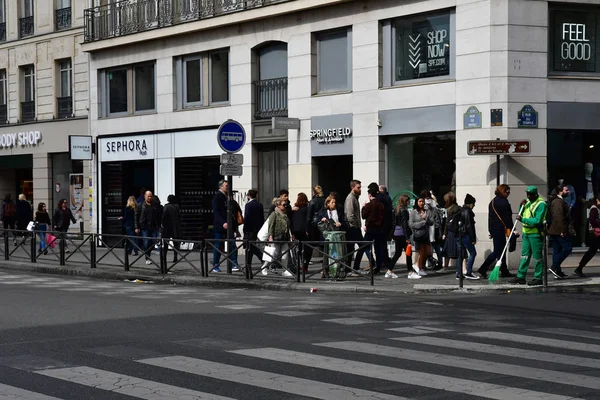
pixel 495 274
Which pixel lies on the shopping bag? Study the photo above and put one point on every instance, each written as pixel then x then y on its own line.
pixel 263 233
pixel 270 253
pixel 51 240
pixel 391 247
pixel 30 226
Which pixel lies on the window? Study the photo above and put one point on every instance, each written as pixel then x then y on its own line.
pixel 129 90
pixel 60 4
pixel 28 93
pixel 26 8
pixel 65 78
pixel 334 61
pixel 62 14
pixel 573 40
pixel 419 47
pixel 2 21
pixel 64 100
pixel 26 20
pixel 3 97
pixel 219 77
pixel 202 79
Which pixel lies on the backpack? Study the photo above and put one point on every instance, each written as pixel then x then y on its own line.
pixel 10 209
pixel 549 211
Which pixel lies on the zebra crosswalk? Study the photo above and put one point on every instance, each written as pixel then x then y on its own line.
pixel 441 361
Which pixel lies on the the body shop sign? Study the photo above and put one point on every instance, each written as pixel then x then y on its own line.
pixel 574 41
pixel 20 139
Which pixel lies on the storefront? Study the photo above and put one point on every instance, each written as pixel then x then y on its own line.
pixel 182 163
pixel 331 150
pixel 421 148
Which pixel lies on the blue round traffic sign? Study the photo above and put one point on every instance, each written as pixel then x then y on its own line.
pixel 231 136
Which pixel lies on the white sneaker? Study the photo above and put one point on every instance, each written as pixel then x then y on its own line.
pixel 148 262
pixel 414 275
pixel 390 274
pixel 265 271
pixel 415 268
pixel 287 273
pixel 422 272
pixel 235 268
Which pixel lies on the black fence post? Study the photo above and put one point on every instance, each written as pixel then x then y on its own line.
pixel 61 246
pixel 33 249
pixel 126 258
pixel 6 249
pixel 163 255
pixel 247 252
pixel 202 246
pixel 299 267
pixel 545 255
pixel 206 261
pixel 372 262
pixel 93 251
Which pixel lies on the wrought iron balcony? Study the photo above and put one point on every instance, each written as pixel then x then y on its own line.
pixel 126 17
pixel 271 98
pixel 27 111
pixel 3 32
pixel 64 107
pixel 62 18
pixel 3 114
pixel 25 27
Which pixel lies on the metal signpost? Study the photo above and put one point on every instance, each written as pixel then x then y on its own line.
pixel 498 148
pixel 231 137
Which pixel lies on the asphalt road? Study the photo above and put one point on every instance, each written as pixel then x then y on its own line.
pixel 67 338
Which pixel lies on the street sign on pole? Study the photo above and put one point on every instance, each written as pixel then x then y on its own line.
pixel 232 159
pixel 285 123
pixel 231 170
pixel 498 147
pixel 231 136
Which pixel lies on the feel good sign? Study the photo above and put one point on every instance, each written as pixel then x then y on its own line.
pixel 20 139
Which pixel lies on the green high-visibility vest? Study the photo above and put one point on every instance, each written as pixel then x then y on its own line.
pixel 529 212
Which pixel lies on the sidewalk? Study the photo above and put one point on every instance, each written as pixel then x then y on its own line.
pixel 110 267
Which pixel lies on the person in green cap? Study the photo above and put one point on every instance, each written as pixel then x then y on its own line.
pixel 532 218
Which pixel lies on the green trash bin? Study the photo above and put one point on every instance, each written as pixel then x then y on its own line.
pixel 335 251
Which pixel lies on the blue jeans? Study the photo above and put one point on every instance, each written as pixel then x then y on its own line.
pixel 468 246
pixel 355 235
pixel 42 234
pixel 499 240
pixel 561 248
pixel 379 243
pixel 148 241
pixel 217 254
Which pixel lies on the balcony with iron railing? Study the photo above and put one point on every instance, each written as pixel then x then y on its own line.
pixel 25 27
pixel 126 17
pixel 64 107
pixel 3 32
pixel 62 18
pixel 3 114
pixel 271 98
pixel 27 111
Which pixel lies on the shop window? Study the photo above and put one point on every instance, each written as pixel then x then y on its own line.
pixel 419 47
pixel 573 40
pixel 3 97
pixel 64 100
pixel 202 79
pixel 334 61
pixel 129 90
pixel 28 93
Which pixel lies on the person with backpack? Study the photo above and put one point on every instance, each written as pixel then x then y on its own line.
pixel 532 218
pixel 9 215
pixel 560 230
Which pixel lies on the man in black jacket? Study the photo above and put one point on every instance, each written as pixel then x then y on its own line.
pixel 147 221
pixel 254 218
pixel 468 237
pixel 219 205
pixel 499 221
pixel 315 206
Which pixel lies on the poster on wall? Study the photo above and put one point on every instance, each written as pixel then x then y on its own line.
pixel 574 41
pixel 76 195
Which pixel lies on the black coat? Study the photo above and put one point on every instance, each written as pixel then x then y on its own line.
pixel 299 219
pixel 24 214
pixel 219 206
pixel 496 225
pixel 341 216
pixel 314 208
pixel 171 222
pixel 61 219
pixel 254 217
pixel 148 216
pixel 467 217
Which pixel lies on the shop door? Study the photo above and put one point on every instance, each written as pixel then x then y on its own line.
pixel 272 171
pixel 334 175
pixel 119 181
pixel 196 182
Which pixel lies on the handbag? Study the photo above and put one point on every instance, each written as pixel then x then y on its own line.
pixel 240 218
pixel 30 226
pixel 270 253
pixel 506 230
pixel 421 234
pixel 51 240
pixel 263 233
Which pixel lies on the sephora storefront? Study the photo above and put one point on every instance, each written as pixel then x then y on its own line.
pixel 182 163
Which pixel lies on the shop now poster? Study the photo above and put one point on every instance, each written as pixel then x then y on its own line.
pixel 76 196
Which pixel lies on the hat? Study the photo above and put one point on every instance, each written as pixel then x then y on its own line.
pixel 531 190
pixel 469 199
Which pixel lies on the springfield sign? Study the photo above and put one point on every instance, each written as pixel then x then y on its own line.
pixel 20 139
pixel 332 135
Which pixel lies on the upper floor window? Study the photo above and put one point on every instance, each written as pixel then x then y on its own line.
pixel 202 79
pixel 334 61
pixel 28 93
pixel 64 99
pixel 418 47
pixel 2 21
pixel 128 90
pixel 26 23
pixel 62 14
pixel 3 97
pixel 574 39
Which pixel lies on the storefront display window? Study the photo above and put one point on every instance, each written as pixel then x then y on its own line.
pixel 420 162
pixel 62 180
pixel 422 47
pixel 573 40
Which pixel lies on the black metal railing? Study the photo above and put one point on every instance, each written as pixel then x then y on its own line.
pixel 271 98
pixel 3 32
pixel 62 18
pixel 64 107
pixel 27 111
pixel 3 114
pixel 131 16
pixel 25 27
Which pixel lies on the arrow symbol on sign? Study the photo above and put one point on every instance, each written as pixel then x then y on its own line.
pixel 414 46
pixel 524 147
pixel 415 65
pixel 414 53
pixel 414 39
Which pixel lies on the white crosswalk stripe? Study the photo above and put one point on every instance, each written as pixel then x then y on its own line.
pixel 409 377
pixel 13 393
pixel 266 380
pixel 124 384
pixel 538 341
pixel 469 363
pixel 569 332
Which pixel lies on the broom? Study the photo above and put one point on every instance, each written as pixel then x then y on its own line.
pixel 495 274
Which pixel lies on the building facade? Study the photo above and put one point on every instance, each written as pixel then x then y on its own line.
pixel 385 91
pixel 43 100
